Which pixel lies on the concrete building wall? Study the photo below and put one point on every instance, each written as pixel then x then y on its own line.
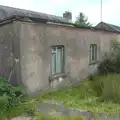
pixel 36 53
pixel 9 50
pixel 32 57
pixel 31 44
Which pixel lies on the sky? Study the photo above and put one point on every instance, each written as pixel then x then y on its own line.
pixel 91 8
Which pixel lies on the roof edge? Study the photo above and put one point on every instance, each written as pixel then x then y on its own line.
pixel 110 25
pixel 39 20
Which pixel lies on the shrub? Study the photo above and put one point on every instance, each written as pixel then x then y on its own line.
pixel 3 102
pixel 12 92
pixel 108 86
pixel 111 62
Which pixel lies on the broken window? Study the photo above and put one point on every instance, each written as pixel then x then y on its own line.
pixel 93 52
pixel 57 59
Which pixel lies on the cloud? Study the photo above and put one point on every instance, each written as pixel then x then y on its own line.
pixel 34 5
pixel 58 1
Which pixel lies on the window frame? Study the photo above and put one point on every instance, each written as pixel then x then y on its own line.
pixel 93 53
pixel 62 62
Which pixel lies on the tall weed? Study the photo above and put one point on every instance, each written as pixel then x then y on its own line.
pixel 107 87
pixel 111 89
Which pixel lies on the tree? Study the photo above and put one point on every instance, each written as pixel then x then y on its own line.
pixel 82 20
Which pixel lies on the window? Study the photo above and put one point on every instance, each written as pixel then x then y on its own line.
pixel 57 59
pixel 93 52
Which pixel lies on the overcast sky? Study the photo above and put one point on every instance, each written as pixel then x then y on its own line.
pixel 91 8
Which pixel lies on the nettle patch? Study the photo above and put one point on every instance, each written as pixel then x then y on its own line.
pixel 10 95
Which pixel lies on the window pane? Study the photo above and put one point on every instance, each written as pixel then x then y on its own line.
pixel 62 60
pixel 58 61
pixel 96 52
pixel 53 63
pixel 93 52
pixel 90 53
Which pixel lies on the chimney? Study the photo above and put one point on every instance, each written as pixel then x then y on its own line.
pixel 67 15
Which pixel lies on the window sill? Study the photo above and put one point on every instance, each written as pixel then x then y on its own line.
pixel 93 62
pixel 56 76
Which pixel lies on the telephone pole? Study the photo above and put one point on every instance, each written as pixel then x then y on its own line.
pixel 101 12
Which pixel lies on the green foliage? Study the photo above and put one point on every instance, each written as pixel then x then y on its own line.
pixel 12 93
pixel 3 102
pixel 99 94
pixel 82 20
pixel 107 87
pixel 110 83
pixel 26 107
pixel 96 94
pixel 111 62
pixel 111 87
pixel 96 84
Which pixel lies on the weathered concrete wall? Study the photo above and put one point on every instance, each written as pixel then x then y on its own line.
pixel 37 40
pixel 32 57
pixel 9 50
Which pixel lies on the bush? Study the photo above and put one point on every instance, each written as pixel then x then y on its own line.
pixel 111 62
pixel 12 93
pixel 108 86
pixel 3 102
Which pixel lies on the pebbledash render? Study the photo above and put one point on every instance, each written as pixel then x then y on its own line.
pixel 45 51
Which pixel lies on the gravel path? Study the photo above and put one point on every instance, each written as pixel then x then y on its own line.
pixel 52 107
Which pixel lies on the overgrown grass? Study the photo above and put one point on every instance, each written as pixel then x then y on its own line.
pixel 40 116
pixel 101 94
pixel 107 87
pixel 28 107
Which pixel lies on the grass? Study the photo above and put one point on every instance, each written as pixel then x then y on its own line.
pixel 29 109
pixel 85 98
pixel 39 116
pixel 26 107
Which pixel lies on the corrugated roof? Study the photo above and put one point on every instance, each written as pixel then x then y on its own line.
pixel 6 12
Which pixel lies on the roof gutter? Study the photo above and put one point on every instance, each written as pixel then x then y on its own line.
pixel 60 24
pixel 9 20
